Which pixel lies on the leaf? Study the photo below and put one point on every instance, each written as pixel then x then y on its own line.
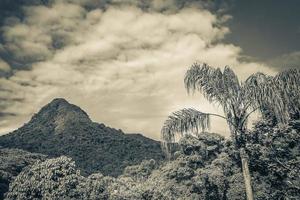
pixel 184 121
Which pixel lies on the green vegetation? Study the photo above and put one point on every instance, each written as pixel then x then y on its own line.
pixel 12 162
pixel 274 153
pixel 206 167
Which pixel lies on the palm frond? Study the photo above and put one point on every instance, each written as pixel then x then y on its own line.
pixel 262 91
pixel 184 121
pixel 288 84
pixel 256 87
pixel 231 82
pixel 291 77
pixel 207 80
pixel 216 86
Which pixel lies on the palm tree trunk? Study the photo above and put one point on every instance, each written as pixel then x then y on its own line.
pixel 246 174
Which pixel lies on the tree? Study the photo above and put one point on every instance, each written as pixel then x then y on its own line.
pixel 274 154
pixel 55 178
pixel 12 162
pixel 238 100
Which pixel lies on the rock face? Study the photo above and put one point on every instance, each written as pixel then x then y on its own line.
pixel 61 128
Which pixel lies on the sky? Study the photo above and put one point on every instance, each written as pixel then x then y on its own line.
pixel 123 62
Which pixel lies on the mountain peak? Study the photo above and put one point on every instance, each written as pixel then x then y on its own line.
pixel 59 101
pixel 60 113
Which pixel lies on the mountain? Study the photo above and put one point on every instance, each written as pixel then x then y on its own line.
pixel 61 128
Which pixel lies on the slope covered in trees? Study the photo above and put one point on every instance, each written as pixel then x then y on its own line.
pixel 206 167
pixel 61 128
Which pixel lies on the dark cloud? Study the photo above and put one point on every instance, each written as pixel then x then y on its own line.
pixel 5 114
pixel 286 61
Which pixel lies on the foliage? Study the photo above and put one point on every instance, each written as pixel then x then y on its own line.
pixel 206 167
pixel 183 177
pixel 58 178
pixel 12 162
pixel 141 171
pixel 279 94
pixel 95 186
pixel 51 179
pixel 275 160
pixel 184 121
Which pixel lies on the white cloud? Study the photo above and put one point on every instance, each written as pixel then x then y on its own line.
pixel 4 67
pixel 123 65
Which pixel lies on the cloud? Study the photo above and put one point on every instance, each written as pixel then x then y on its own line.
pixel 286 61
pixel 123 64
pixel 4 67
pixel 42 30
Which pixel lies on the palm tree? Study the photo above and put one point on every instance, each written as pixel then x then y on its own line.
pixel 238 100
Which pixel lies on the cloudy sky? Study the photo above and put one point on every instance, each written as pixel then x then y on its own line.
pixel 123 61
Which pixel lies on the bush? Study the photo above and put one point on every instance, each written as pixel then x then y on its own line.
pixel 52 179
pixel 12 162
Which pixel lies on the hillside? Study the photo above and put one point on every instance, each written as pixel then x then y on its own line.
pixel 61 128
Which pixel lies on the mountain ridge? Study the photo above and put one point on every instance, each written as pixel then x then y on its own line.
pixel 61 128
